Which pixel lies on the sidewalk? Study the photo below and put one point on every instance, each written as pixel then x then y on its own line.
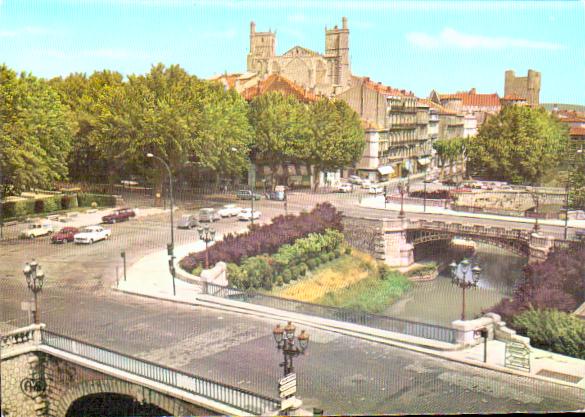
pixel 377 202
pixel 150 277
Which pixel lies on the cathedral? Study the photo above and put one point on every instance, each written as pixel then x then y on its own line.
pixel 324 74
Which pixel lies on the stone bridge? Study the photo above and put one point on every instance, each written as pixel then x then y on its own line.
pixel 45 374
pixel 396 239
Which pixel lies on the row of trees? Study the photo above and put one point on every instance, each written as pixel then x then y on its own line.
pixel 100 127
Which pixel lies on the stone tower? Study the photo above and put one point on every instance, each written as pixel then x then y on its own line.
pixel 337 54
pixel 262 50
pixel 527 87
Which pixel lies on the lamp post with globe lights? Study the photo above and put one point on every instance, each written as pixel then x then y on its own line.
pixel 464 276
pixel 207 235
pixel 291 345
pixel 34 280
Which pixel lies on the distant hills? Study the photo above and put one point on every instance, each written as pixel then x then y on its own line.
pixel 575 107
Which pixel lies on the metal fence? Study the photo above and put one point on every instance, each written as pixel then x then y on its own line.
pixel 424 330
pixel 225 394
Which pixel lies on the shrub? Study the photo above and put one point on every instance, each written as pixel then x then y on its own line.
pixel 348 251
pixel 303 268
pixel 317 261
pixel 279 281
pixel 237 276
pixel 553 330
pixel 86 200
pixel 52 204
pixel 39 206
pixel 17 209
pixel 273 237
pixel 421 270
pixel 197 270
pixel 337 252
pixel 68 202
pixel 296 272
pixel 259 271
pixel 287 275
pixel 324 257
pixel 312 264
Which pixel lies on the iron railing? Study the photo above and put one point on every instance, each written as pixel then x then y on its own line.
pixel 412 328
pixel 233 396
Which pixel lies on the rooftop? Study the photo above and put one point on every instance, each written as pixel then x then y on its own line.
pixel 472 99
pixel 279 83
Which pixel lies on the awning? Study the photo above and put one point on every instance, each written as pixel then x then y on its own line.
pixel 385 170
pixel 424 161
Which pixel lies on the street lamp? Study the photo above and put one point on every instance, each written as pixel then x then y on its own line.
pixel 290 344
pixel 536 199
pixel 207 235
pixel 170 247
pixel 402 189
pixel 464 276
pixel 34 279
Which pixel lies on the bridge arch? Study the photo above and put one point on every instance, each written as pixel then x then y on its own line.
pixel 94 391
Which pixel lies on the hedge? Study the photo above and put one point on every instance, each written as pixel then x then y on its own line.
pixel 23 208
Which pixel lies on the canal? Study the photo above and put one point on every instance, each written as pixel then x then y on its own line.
pixel 440 302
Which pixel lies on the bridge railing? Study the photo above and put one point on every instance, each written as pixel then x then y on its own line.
pixel 233 396
pixel 424 330
pixel 470 229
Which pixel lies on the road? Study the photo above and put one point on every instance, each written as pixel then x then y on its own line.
pixel 340 374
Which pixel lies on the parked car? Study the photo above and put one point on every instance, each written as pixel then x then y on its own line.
pixel 37 229
pixel 119 215
pixel 344 188
pixel 64 235
pixel 580 234
pixel 92 234
pixel 275 195
pixel 188 221
pixel 376 189
pixel 208 215
pixel 366 184
pixel 354 179
pixel 246 214
pixel 247 195
pixel 229 210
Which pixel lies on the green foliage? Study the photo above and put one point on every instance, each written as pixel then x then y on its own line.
pixel 553 330
pixel 312 264
pixel 85 200
pixel 421 270
pixel 68 202
pixel 259 272
pixel 371 295
pixel 197 271
pixel 577 182
pixel 324 257
pixel 36 130
pixel 348 250
pixel 519 145
pixel 287 275
pixel 303 268
pixel 237 276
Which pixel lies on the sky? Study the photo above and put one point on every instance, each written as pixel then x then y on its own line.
pixel 448 46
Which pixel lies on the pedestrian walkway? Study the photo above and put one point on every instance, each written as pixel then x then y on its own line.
pixel 377 202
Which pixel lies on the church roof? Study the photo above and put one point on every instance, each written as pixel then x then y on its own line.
pixel 472 99
pixel 279 83
pixel 305 51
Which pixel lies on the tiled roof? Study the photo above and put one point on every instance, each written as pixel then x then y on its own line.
pixel 276 82
pixel 305 50
pixel 577 131
pixel 572 119
pixel 472 99
pixel 384 89
pixel 441 109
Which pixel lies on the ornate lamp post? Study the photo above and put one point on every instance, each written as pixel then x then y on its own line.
pixel 171 246
pixel 290 344
pixel 401 190
pixel 207 235
pixel 536 199
pixel 34 279
pixel 464 276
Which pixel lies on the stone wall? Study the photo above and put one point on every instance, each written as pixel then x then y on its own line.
pixel 14 402
pixel 362 233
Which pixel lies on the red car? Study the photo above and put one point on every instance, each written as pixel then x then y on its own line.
pixel 119 215
pixel 64 235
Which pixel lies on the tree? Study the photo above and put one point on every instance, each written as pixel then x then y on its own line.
pixel 577 182
pixel 174 116
pixel 81 94
pixel 449 151
pixel 337 138
pixel 519 145
pixel 279 122
pixel 35 132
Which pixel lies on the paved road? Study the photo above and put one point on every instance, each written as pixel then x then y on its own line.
pixel 339 374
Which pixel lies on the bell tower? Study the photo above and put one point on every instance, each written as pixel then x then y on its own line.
pixel 262 49
pixel 337 53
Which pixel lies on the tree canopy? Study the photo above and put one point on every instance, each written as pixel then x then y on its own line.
pixel 518 145
pixel 36 130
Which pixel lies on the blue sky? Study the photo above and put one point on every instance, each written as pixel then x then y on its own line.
pixel 416 45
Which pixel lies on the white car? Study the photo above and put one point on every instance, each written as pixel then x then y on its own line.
pixel 375 189
pixel 229 210
pixel 92 234
pixel 354 179
pixel 37 229
pixel 246 214
pixel 366 184
pixel 345 188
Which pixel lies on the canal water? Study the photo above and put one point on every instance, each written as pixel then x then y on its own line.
pixel 440 302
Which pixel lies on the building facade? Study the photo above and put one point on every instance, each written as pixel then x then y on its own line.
pixel 525 87
pixel 327 73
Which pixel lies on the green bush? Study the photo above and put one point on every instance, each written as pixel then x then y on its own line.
pixel 39 206
pixel 553 330
pixel 423 269
pixel 317 261
pixel 259 271
pixel 287 275
pixel 237 276
pixel 68 202
pixel 337 252
pixel 348 251
pixel 197 271
pixel 324 257
pixel 312 264
pixel 52 204
pixel 303 268
pixel 279 281
pixel 296 272
pixel 85 200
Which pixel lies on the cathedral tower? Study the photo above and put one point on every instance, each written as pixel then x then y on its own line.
pixel 337 54
pixel 262 49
